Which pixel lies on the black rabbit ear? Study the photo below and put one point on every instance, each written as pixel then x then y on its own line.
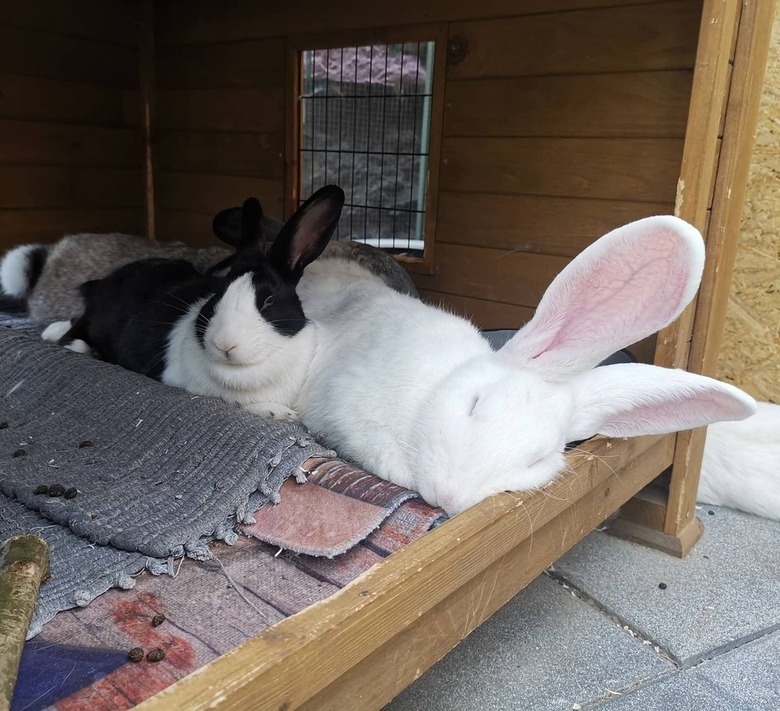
pixel 252 232
pixel 306 234
pixel 234 225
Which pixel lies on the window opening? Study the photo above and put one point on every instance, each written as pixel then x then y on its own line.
pixel 365 125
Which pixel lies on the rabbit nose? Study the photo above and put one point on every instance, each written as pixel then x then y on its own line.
pixel 225 347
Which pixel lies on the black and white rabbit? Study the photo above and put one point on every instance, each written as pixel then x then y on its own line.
pixel 47 277
pixel 242 337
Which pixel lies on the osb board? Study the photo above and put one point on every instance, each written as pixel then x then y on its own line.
pixel 750 354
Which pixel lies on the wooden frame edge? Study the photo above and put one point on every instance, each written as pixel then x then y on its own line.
pixel 292 662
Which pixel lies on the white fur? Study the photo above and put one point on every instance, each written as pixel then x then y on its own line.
pixel 418 397
pixel 13 271
pixel 741 466
pixel 55 331
pixel 262 370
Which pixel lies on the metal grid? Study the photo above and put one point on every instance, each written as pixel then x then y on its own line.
pixel 365 125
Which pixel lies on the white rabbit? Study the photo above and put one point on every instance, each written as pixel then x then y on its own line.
pixel 741 466
pixel 417 396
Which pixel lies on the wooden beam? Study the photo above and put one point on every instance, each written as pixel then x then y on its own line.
pixel 750 57
pixel 714 173
pixel 293 661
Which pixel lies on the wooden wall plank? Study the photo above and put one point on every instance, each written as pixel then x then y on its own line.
pixel 114 21
pixel 40 54
pixel 611 169
pixel 234 109
pixel 36 99
pixel 211 193
pixel 550 225
pixel 35 143
pixel 631 39
pixel 518 278
pixel 21 226
pixel 33 187
pixel 248 154
pixel 636 104
pixel 199 21
pixel 251 63
pixel 191 227
pixel 485 314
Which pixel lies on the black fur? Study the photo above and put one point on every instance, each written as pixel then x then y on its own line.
pixel 130 313
pixel 36 259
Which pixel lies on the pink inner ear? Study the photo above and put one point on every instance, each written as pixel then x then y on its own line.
pixel 624 287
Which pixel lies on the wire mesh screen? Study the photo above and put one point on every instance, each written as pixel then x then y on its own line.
pixel 365 126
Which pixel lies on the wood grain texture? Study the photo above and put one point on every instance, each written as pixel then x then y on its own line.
pixel 548 225
pixel 36 99
pixel 292 662
pixel 249 63
pixel 193 228
pixel 200 21
pixel 241 154
pixel 609 169
pixel 34 187
pixel 744 95
pixel 629 39
pixel 48 225
pixel 485 314
pixel 429 638
pixel 211 193
pixel 52 56
pixel 628 105
pixel 115 21
pixel 518 278
pixel 35 143
pixel 235 109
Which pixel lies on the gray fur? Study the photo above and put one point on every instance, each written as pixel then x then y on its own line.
pixel 79 258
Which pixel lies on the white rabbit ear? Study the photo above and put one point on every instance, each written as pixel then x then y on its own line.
pixel 630 399
pixel 624 287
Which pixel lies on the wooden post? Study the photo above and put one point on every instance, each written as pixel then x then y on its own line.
pixel 24 565
pixel 716 161
pixel 146 85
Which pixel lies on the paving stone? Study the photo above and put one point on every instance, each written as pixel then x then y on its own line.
pixel 725 590
pixel 545 650
pixel 744 679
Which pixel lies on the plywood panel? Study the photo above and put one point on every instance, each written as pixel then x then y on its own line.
pixel 642 104
pixel 563 226
pixel 612 169
pixel 235 109
pixel 485 314
pixel 251 63
pixel 52 56
pixel 44 187
pixel 35 143
pixel 249 154
pixel 211 193
pixel 195 21
pixel 633 38
pixel 518 278
pixel 23 97
pixel 20 226
pixel 114 21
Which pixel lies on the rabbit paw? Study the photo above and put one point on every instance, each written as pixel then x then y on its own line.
pixel 273 411
pixel 56 330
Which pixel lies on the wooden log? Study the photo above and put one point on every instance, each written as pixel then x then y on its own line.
pixel 24 565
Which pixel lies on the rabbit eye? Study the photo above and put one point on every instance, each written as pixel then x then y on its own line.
pixel 268 302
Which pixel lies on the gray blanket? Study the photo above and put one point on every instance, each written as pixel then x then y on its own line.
pixel 158 472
